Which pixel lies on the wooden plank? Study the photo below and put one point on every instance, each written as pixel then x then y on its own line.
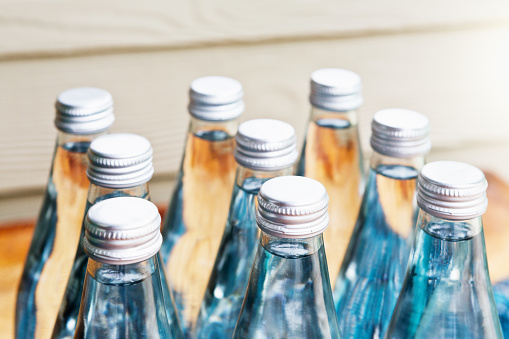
pixel 459 79
pixel 56 28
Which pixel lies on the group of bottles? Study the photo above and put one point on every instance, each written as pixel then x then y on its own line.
pixel 247 249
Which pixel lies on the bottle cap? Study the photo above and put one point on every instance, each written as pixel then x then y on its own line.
pixel 335 89
pixel 292 207
pixel 84 110
pixel 266 144
pixel 120 161
pixel 400 133
pixel 216 98
pixel 452 190
pixel 122 231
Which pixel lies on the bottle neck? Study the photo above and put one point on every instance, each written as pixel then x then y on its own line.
pixel 203 127
pixel 129 274
pixel 69 140
pixel 349 118
pixel 251 180
pixel 291 248
pixel 449 230
pixel 378 159
pixel 97 193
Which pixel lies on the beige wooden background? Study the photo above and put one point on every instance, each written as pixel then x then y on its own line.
pixel 449 60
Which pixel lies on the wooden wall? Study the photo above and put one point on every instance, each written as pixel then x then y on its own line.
pixel 449 61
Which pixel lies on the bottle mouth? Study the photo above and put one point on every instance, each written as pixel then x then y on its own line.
pixel 84 110
pixel 452 190
pixel 120 161
pixel 266 144
pixel 400 133
pixel 292 207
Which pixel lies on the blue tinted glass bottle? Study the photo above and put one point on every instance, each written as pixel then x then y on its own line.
pixel 289 293
pixel 265 149
pixel 196 217
pixel 119 165
pixel 82 115
pixel 332 154
pixel 123 293
pixel 375 263
pixel 447 290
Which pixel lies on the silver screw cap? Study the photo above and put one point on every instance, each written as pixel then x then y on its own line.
pixel 335 89
pixel 122 231
pixel 120 160
pixel 292 207
pixel 400 133
pixel 84 110
pixel 216 98
pixel 452 190
pixel 266 144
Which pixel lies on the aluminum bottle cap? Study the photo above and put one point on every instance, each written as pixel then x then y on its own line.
pixel 452 190
pixel 122 231
pixel 400 133
pixel 216 98
pixel 292 207
pixel 266 144
pixel 84 110
pixel 336 89
pixel 120 161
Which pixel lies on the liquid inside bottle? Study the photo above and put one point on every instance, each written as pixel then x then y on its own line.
pixel 123 301
pixel 197 215
pixel 374 267
pixel 57 232
pixel 289 294
pixel 332 156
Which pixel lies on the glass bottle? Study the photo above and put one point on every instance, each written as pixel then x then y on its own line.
pixel 447 290
pixel 119 165
pixel 198 209
pixel 501 293
pixel 369 281
pixel 289 293
pixel 332 154
pixel 82 114
pixel 265 149
pixel 123 293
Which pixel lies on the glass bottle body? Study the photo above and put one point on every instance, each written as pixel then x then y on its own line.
pixel 196 218
pixel 501 294
pixel 447 290
pixel 65 324
pixel 56 237
pixel 332 155
pixel 375 263
pixel 289 293
pixel 124 301
pixel 228 282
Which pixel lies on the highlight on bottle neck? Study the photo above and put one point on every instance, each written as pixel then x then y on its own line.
pixel 335 89
pixel 120 160
pixel 216 98
pixel 121 231
pixel 292 207
pixel 452 190
pixel 266 145
pixel 84 110
pixel 400 133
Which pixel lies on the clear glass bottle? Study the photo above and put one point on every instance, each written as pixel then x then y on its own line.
pixel 123 293
pixel 447 290
pixel 82 114
pixel 501 293
pixel 198 209
pixel 332 154
pixel 265 149
pixel 119 165
pixel 289 293
pixel 369 281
